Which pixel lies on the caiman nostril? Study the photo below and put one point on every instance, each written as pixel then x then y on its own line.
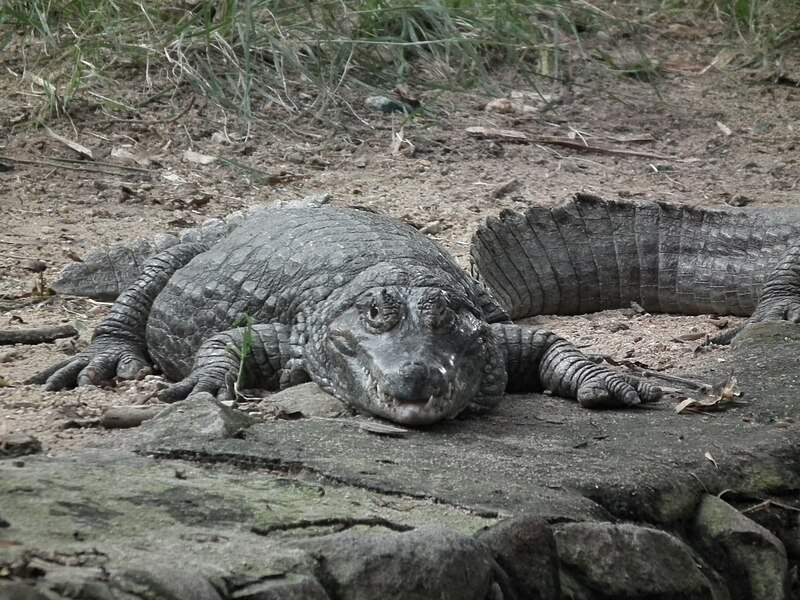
pixel 414 371
pixel 421 382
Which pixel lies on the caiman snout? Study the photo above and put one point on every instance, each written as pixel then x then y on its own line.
pixel 419 382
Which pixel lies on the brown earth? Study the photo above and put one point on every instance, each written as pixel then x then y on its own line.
pixel 711 135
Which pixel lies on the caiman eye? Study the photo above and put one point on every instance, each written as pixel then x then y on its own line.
pixel 382 313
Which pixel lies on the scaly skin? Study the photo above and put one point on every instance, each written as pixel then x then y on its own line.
pixel 589 254
pixel 373 311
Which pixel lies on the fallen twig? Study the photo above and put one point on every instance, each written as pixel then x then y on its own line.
pixel 123 417
pixel 600 148
pixel 67 163
pixel 642 372
pixel 340 523
pixel 37 335
pixel 520 137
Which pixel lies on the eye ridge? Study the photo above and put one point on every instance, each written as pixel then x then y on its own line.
pixel 445 320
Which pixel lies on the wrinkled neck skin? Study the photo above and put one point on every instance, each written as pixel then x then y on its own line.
pixel 408 350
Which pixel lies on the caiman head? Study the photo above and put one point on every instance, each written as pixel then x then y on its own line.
pixel 412 354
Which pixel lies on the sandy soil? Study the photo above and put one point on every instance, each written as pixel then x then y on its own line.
pixel 726 137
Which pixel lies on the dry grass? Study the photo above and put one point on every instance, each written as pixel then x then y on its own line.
pixel 268 59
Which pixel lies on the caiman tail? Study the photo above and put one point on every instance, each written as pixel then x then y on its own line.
pixel 590 254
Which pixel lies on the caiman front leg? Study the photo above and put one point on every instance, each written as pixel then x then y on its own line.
pixel 118 347
pixel 271 359
pixel 539 360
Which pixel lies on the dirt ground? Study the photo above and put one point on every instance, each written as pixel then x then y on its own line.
pixel 713 135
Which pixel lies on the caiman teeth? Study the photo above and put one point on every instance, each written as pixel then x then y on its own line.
pixel 374 386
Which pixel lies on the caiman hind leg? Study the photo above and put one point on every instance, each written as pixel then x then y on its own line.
pixel 780 296
pixel 266 355
pixel 539 360
pixel 118 347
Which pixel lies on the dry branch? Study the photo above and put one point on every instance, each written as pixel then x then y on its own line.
pixel 37 335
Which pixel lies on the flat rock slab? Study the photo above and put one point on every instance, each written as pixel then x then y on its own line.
pixel 544 455
pixel 257 507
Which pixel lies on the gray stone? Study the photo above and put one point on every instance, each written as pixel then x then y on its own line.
pixel 308 399
pixel 418 565
pixel 89 590
pixel 199 415
pixel 383 104
pixel 766 332
pixel 18 444
pixel 753 559
pixel 14 590
pixel 167 584
pixel 606 560
pixel 525 549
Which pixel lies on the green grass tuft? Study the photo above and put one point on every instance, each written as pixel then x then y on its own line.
pixel 268 57
pixel 764 30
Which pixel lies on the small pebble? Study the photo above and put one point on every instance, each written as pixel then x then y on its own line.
pixel 383 104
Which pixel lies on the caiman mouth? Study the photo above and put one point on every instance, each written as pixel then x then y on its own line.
pixel 420 411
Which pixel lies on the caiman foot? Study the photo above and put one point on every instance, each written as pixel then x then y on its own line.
pixel 215 370
pixel 218 385
pixel 777 309
pixel 607 389
pixel 107 359
pixel 780 296
pixel 773 309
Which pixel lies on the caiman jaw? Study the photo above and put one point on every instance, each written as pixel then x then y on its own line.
pixel 415 412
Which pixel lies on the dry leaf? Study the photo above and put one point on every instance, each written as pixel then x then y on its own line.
pixel 723 394
pixel 684 404
pixel 407 95
pixel 728 390
pixel 196 157
pixel 82 150
pixel 721 60
pixel 127 157
pixel 502 106
pixel 382 429
pixel 173 178
pixel 710 458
